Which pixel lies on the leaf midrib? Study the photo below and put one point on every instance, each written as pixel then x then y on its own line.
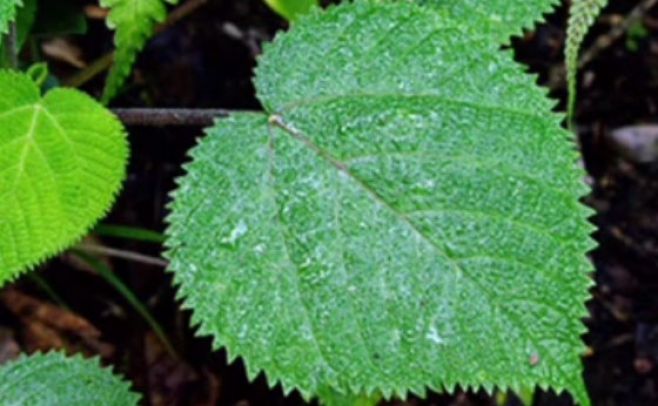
pixel 28 139
pixel 30 142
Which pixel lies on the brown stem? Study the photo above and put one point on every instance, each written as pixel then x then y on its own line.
pixel 122 254
pixel 158 117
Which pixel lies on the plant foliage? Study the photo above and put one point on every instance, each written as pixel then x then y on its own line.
pixel 501 18
pixel 24 19
pixel 292 9
pixel 7 13
pixel 134 22
pixel 55 379
pixel 405 215
pixel 63 159
pixel 582 15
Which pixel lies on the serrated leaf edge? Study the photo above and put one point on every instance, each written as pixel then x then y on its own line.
pixel 59 355
pixel 120 132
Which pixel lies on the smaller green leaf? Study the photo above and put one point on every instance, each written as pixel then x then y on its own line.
pixel 63 158
pixel 134 22
pixel 292 9
pixel 582 15
pixel 8 13
pixel 55 379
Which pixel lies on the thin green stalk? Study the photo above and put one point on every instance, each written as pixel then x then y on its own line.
pixel 48 290
pixel 110 277
pixel 129 233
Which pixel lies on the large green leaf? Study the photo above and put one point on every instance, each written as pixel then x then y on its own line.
pixel 63 159
pixel 502 18
pixel 7 13
pixel 407 216
pixel 54 379
pixel 134 22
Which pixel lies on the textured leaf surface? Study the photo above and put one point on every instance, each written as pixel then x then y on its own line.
pixel 407 217
pixel 7 13
pixel 55 379
pixel 582 15
pixel 134 22
pixel 292 9
pixel 63 159
pixel 502 18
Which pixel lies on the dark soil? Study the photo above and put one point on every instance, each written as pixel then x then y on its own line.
pixel 207 60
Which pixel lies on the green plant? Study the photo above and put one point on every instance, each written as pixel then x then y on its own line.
pixel 63 159
pixel 7 13
pixel 499 18
pixel 404 214
pixel 582 15
pixel 292 9
pixel 134 22
pixel 61 169
pixel 55 379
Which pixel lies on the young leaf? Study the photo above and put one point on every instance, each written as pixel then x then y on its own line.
pixel 292 9
pixel 582 15
pixel 63 158
pixel 502 18
pixel 134 22
pixel 55 379
pixel 7 13
pixel 408 215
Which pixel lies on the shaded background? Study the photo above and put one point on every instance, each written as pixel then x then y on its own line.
pixel 206 60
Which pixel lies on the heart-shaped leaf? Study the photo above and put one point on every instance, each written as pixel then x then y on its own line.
pixel 62 158
pixel 406 215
